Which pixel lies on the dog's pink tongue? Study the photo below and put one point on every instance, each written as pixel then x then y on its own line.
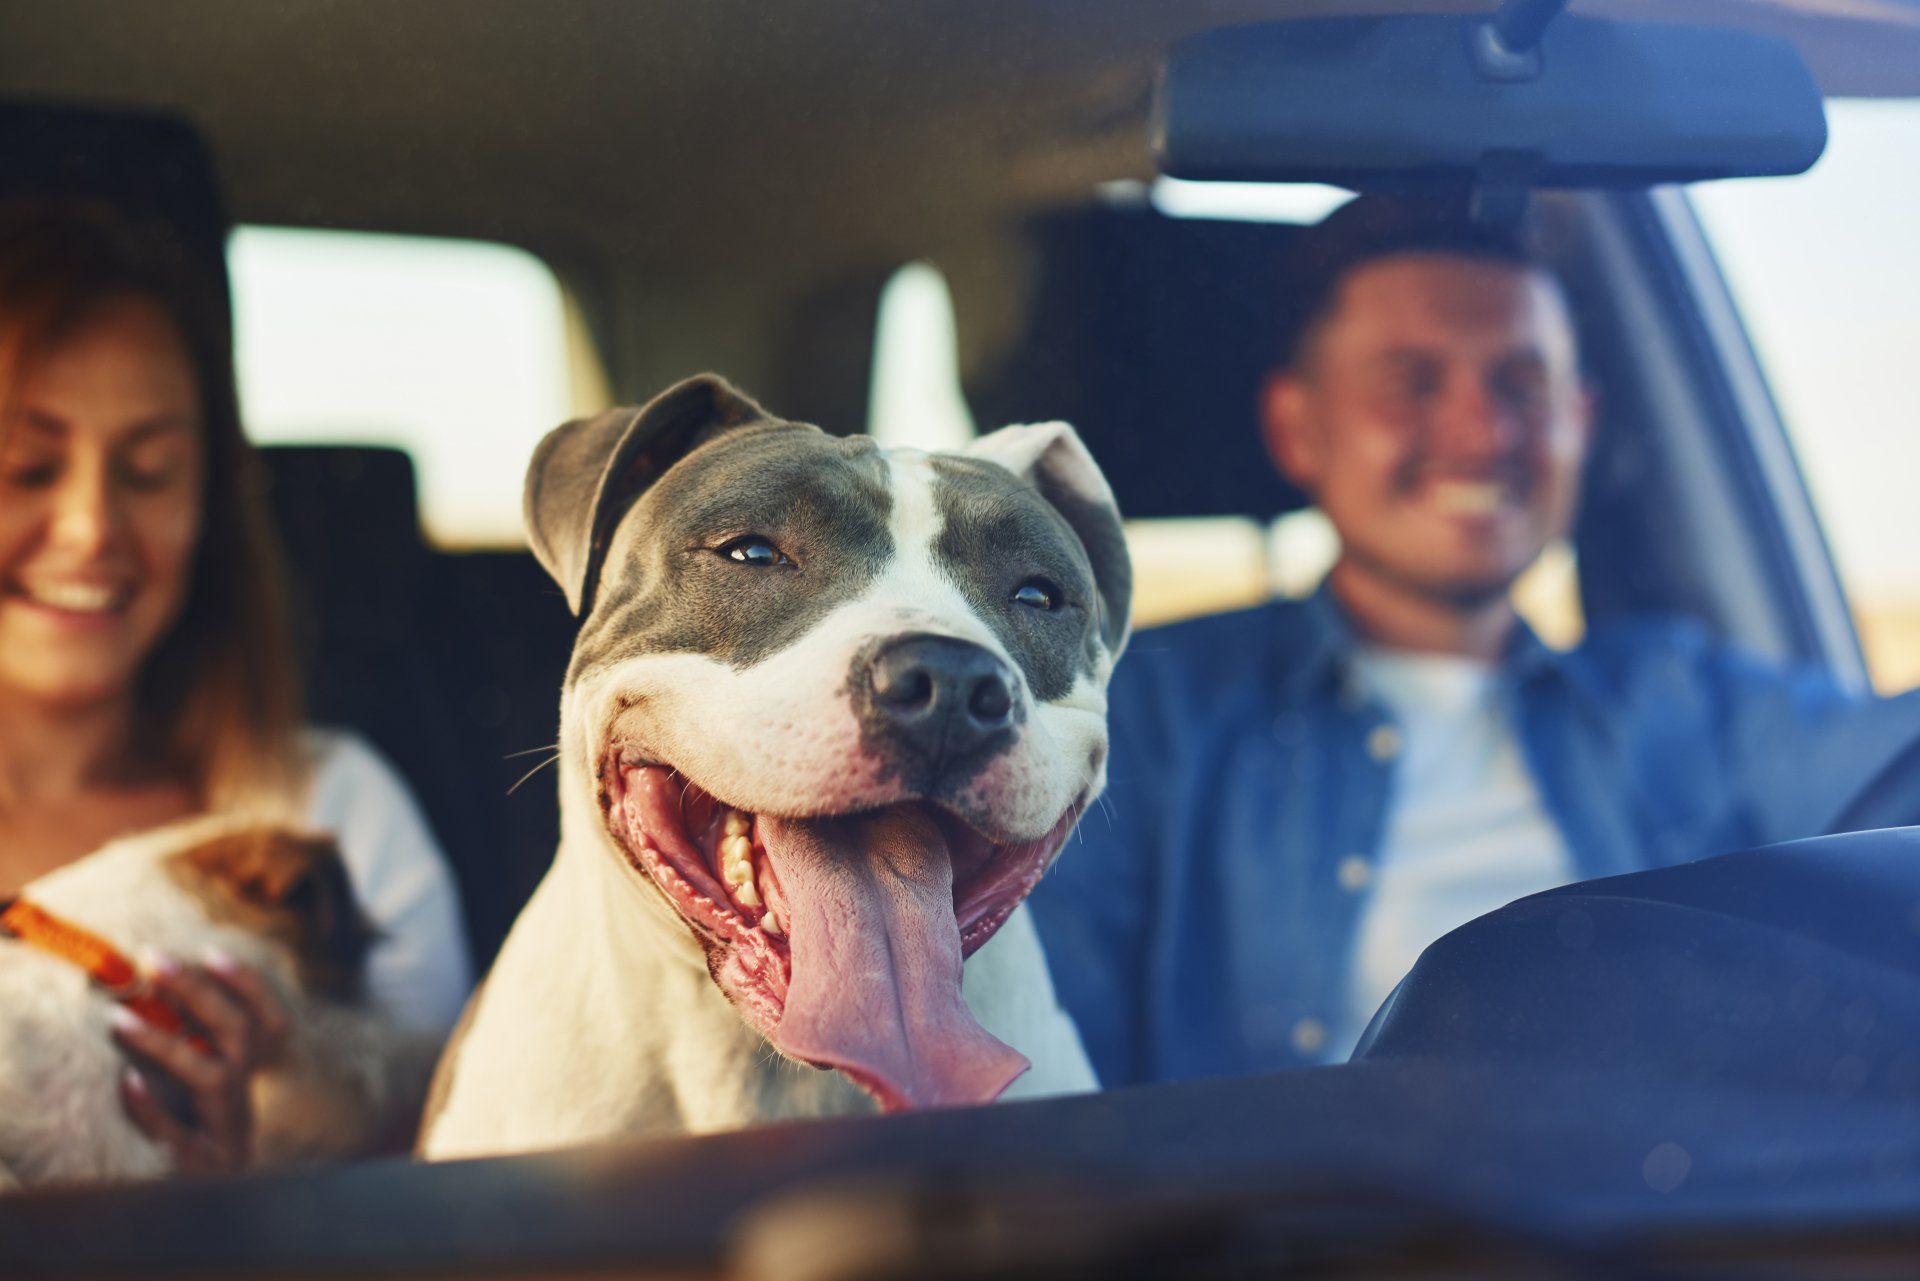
pixel 876 960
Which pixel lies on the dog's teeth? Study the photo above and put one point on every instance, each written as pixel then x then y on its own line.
pixel 771 923
pixel 736 860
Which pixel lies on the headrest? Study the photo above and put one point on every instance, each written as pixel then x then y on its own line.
pixel 343 507
pixel 1151 335
pixel 154 171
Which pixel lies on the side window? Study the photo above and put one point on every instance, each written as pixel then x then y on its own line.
pixel 459 352
pixel 1826 271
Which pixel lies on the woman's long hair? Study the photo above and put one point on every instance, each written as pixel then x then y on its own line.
pixel 217 703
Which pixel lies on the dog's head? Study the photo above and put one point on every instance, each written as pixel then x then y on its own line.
pixel 839 706
pixel 291 889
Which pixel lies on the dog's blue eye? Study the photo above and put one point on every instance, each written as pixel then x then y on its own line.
pixel 751 549
pixel 1036 593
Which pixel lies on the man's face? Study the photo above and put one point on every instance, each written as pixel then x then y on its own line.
pixel 1439 419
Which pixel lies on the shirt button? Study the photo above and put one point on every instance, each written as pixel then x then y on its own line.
pixel 1308 1035
pixel 1355 872
pixel 1383 742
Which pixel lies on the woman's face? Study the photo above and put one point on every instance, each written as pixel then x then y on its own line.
pixel 101 466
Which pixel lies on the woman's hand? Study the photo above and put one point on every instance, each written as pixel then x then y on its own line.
pixel 244 1029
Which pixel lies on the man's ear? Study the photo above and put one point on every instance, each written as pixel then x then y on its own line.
pixel 586 474
pixel 1051 458
pixel 1286 431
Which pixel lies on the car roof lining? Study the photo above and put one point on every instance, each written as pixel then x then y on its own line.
pixel 704 176
pixel 803 137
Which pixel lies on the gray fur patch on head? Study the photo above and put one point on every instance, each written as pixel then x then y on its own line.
pixel 585 473
pixel 668 585
pixel 1052 459
pixel 997 534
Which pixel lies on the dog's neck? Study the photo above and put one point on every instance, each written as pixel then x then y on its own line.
pixel 654 1046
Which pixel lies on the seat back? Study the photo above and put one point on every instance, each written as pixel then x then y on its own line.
pixel 1152 335
pixel 449 662
pixel 153 170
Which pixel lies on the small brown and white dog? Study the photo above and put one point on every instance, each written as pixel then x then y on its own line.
pixel 276 901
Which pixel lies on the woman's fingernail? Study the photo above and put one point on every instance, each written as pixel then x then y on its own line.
pixel 133 1081
pixel 218 958
pixel 125 1020
pixel 165 965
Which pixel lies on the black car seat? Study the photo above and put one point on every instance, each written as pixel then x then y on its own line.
pixel 154 170
pixel 1151 335
pixel 450 663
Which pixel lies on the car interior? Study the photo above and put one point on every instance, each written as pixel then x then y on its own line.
pixel 731 188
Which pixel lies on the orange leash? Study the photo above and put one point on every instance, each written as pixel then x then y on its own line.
pixel 108 967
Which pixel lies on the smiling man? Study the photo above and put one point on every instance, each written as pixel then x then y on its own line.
pixel 1303 796
pixel 1434 409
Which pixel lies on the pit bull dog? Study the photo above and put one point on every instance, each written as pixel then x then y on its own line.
pixel 831 713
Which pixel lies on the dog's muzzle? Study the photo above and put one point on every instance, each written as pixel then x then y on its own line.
pixel 935 705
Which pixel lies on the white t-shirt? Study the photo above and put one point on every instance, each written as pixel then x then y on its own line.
pixel 417 971
pixel 1465 829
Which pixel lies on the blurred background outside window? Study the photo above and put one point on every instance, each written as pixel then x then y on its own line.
pixel 460 352
pixel 1826 271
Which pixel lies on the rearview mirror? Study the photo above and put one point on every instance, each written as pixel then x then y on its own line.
pixel 1402 100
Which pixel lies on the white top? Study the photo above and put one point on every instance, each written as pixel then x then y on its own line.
pixel 1466 831
pixel 417 971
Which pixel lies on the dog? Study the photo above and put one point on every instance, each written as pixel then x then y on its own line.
pixel 830 714
pixel 274 900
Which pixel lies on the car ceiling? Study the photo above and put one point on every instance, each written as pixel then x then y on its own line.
pixel 684 143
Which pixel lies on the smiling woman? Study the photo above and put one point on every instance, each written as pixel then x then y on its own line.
pixel 147 676
pixel 155 572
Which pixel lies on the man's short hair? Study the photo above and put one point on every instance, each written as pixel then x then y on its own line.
pixel 1372 227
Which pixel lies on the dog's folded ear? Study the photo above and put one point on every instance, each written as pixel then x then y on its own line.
pixel 1052 458
pixel 586 473
pixel 291 886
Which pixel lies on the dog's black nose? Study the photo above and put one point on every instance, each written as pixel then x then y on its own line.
pixel 942 697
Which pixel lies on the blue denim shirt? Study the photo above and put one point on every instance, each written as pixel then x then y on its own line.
pixel 1202 923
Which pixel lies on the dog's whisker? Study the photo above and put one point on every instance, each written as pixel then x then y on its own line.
pixel 530 773
pixel 544 747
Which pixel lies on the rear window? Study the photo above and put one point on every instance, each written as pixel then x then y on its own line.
pixel 462 353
